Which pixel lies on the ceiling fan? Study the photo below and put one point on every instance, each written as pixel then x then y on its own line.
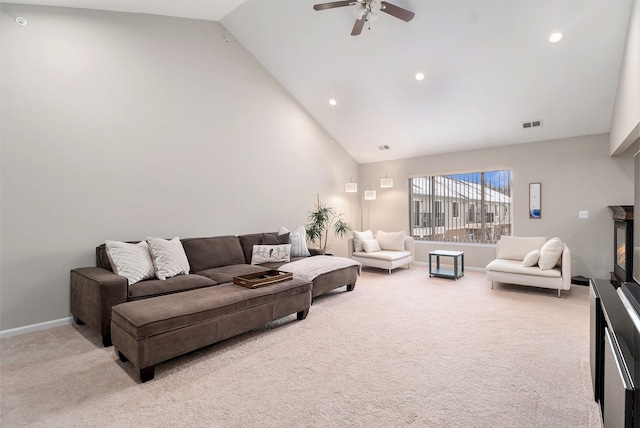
pixel 367 11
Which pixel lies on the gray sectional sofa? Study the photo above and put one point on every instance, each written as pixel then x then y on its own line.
pixel 213 261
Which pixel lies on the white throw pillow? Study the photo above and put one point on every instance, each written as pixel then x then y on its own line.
pixel 550 253
pixel 393 241
pixel 358 237
pixel 133 261
pixel 517 247
pixel 169 258
pixel 298 240
pixel 531 259
pixel 270 253
pixel 371 246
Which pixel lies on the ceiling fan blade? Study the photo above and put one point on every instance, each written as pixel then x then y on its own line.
pixel 359 25
pixel 324 6
pixel 397 11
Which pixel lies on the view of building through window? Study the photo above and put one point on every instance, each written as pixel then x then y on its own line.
pixel 470 207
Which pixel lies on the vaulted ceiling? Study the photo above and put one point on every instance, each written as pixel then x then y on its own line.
pixel 488 65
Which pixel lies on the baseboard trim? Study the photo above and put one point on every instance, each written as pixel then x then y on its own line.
pixel 35 327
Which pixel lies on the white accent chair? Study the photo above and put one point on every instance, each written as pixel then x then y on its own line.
pixel 511 267
pixel 384 259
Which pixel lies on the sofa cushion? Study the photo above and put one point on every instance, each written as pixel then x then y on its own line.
pixel 212 252
pixel 531 259
pixel 275 239
pixel 133 261
pixel 517 247
pixel 384 255
pixel 168 257
pixel 515 266
pixel 550 253
pixel 247 242
pixel 371 245
pixel 270 253
pixel 393 241
pixel 156 287
pixel 225 274
pixel 358 237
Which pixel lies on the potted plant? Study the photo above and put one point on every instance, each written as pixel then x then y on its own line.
pixel 321 221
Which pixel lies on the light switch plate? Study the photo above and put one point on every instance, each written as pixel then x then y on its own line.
pixel 583 214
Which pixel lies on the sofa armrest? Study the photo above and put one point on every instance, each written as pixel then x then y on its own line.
pixel 94 291
pixel 350 247
pixel 566 267
pixel 410 244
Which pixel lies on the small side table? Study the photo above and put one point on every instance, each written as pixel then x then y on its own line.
pixel 458 264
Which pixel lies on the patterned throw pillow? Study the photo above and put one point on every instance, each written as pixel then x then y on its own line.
pixel 132 261
pixel 270 253
pixel 168 257
pixel 298 240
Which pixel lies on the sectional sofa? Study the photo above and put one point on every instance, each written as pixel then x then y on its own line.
pixel 213 261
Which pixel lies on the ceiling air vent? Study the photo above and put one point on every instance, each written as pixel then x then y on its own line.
pixel 385 147
pixel 532 124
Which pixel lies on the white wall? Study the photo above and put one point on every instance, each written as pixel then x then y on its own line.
pixel 576 174
pixel 123 126
pixel 625 124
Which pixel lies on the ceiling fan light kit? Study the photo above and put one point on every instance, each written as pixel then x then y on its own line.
pixel 367 11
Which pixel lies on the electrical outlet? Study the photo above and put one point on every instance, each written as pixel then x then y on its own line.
pixel 583 214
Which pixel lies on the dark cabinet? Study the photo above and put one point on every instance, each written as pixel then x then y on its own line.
pixel 615 335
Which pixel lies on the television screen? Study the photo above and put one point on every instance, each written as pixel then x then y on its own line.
pixel 636 219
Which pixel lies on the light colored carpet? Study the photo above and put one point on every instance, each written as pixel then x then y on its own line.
pixel 400 350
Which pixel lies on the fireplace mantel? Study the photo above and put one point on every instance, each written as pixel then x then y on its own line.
pixel 622 212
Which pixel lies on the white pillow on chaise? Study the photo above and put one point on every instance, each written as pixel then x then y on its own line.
pixel 298 241
pixel 550 253
pixel 531 259
pixel 358 238
pixel 371 246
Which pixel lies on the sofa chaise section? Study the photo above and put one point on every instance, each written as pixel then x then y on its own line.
pixel 384 259
pixel 511 265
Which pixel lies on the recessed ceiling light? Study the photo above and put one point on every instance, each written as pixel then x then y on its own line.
pixel 555 37
pixel 419 76
pixel 21 21
pixel 333 102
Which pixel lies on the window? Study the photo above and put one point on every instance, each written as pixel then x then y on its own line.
pixel 471 207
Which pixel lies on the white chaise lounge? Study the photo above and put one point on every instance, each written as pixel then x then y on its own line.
pixel 388 250
pixel 534 261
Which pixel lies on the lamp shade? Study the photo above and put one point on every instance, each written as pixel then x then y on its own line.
pixel 350 187
pixel 369 195
pixel 386 182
